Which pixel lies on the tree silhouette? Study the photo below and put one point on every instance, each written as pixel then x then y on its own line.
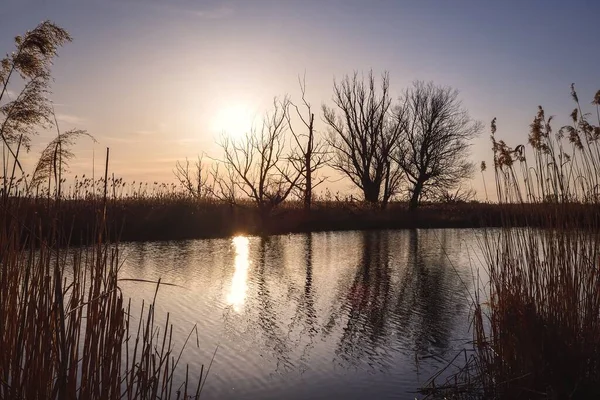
pixel 364 135
pixel 257 164
pixel 310 154
pixel 434 150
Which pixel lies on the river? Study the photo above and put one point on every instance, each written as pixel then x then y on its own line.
pixel 360 314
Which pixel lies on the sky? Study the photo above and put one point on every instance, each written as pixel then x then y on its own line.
pixel 159 81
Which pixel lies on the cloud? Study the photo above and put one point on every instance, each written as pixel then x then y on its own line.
pixel 145 163
pixel 70 119
pixel 187 140
pixel 144 132
pixel 147 136
pixel 118 139
pixel 216 13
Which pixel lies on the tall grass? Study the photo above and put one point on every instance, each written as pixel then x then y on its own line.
pixel 537 328
pixel 65 328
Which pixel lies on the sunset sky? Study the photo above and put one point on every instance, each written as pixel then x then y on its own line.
pixel 157 81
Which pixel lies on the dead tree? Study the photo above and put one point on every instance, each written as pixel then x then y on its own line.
pixel 310 154
pixel 364 136
pixel 193 179
pixel 434 152
pixel 257 165
pixel 223 186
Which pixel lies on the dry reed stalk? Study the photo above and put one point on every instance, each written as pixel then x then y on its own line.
pixel 64 328
pixel 538 335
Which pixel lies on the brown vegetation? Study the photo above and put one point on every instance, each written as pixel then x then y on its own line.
pixel 537 324
pixel 66 331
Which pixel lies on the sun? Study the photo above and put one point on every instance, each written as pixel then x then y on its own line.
pixel 233 120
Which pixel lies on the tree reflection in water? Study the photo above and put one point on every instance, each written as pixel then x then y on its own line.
pixel 367 304
pixel 413 314
pixel 320 308
pixel 305 314
pixel 270 254
pixel 428 295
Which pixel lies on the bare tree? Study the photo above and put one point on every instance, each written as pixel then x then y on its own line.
pixel 194 179
pixel 224 178
pixel 310 154
pixel 257 164
pixel 364 136
pixel 434 152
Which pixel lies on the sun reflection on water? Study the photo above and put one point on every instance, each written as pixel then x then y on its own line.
pixel 237 292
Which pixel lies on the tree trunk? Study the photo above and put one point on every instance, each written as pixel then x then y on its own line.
pixel 308 166
pixel 264 211
pixel 371 192
pixel 384 202
pixel 386 186
pixel 416 194
pixel 308 191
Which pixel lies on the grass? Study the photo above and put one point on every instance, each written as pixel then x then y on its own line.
pixel 65 329
pixel 537 323
pixel 147 218
pixel 141 212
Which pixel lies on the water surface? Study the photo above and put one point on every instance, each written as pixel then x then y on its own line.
pixel 368 314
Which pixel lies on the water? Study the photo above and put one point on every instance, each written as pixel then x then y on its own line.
pixel 324 315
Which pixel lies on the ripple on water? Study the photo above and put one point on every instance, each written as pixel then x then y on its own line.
pixel 322 315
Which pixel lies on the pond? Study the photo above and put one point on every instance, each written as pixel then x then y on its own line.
pixel 361 314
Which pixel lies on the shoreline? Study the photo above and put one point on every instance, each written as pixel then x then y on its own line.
pixel 143 220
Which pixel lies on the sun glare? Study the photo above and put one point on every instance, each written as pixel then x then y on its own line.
pixel 234 120
pixel 237 292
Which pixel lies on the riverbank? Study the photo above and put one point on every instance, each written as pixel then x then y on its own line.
pixel 151 220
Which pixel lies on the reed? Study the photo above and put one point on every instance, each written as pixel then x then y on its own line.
pixel 66 329
pixel 537 326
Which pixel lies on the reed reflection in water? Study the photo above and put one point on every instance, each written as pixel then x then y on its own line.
pixel 322 315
